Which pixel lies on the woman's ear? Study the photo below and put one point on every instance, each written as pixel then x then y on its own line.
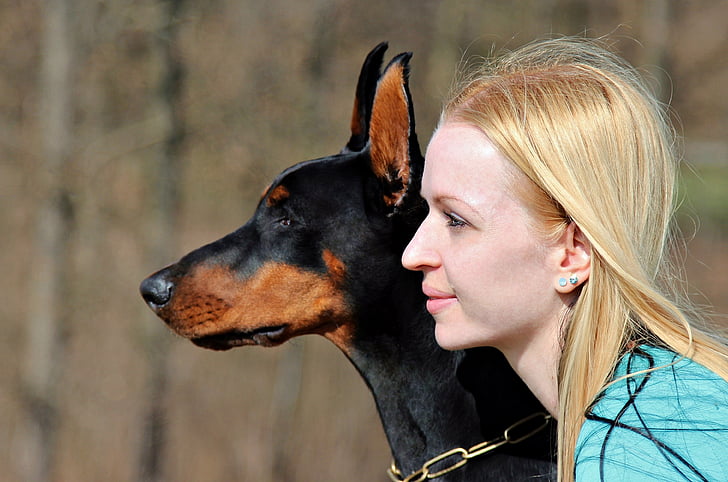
pixel 574 259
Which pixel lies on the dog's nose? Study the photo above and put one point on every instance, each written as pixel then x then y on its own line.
pixel 156 290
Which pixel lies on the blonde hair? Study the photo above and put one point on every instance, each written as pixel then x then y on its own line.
pixel 581 124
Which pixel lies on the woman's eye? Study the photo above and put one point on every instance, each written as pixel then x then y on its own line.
pixel 454 221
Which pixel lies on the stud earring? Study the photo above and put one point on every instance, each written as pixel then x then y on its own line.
pixel 573 279
pixel 562 282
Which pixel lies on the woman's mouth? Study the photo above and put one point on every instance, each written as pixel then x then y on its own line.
pixel 438 301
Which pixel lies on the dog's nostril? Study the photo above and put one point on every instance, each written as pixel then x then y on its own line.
pixel 156 290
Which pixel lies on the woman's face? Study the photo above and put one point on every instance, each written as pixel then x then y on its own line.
pixel 489 276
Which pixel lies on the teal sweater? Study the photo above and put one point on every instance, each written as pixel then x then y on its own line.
pixel 669 424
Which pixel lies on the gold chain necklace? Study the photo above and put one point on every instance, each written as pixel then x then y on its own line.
pixel 458 457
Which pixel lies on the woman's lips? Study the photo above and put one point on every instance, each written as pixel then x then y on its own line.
pixel 437 305
pixel 438 300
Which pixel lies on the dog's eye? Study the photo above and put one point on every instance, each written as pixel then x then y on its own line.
pixel 284 222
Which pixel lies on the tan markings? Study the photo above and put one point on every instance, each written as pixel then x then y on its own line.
pixel 212 301
pixel 356 128
pixel 278 194
pixel 389 131
pixel 336 268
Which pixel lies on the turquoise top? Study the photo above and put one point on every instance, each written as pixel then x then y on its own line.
pixel 669 424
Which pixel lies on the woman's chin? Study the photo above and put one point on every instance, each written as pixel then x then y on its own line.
pixel 452 336
pixel 450 339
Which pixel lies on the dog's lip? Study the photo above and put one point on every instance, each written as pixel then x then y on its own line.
pixel 264 336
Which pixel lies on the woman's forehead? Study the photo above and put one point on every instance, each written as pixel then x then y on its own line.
pixel 462 164
pixel 460 152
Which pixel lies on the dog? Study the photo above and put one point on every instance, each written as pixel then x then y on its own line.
pixel 321 255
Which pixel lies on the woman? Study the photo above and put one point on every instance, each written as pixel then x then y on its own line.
pixel 550 184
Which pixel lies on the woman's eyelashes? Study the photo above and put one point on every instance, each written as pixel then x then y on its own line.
pixel 454 221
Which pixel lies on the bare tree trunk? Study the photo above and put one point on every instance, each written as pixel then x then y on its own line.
pixel 165 217
pixel 657 19
pixel 286 395
pixel 49 289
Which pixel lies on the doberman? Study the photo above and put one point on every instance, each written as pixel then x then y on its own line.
pixel 321 254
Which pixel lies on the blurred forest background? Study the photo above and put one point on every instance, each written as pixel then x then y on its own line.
pixel 132 131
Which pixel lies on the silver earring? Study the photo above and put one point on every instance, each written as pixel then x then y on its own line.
pixel 562 282
pixel 573 279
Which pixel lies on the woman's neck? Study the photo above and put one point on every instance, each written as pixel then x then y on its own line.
pixel 536 361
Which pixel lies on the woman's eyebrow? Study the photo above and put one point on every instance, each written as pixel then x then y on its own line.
pixel 443 198
pixel 450 199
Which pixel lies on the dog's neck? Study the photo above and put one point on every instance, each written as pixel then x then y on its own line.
pixel 431 400
pixel 424 409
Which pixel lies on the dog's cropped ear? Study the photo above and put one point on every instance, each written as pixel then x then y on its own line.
pixel 396 160
pixel 365 89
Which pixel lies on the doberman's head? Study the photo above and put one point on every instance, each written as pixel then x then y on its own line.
pixel 323 246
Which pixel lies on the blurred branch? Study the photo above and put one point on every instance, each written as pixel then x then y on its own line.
pixel 113 145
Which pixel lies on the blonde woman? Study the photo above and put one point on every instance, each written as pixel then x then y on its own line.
pixel 550 183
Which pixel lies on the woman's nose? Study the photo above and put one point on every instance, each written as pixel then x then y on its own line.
pixel 419 253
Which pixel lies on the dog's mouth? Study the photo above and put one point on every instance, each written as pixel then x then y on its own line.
pixel 265 336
